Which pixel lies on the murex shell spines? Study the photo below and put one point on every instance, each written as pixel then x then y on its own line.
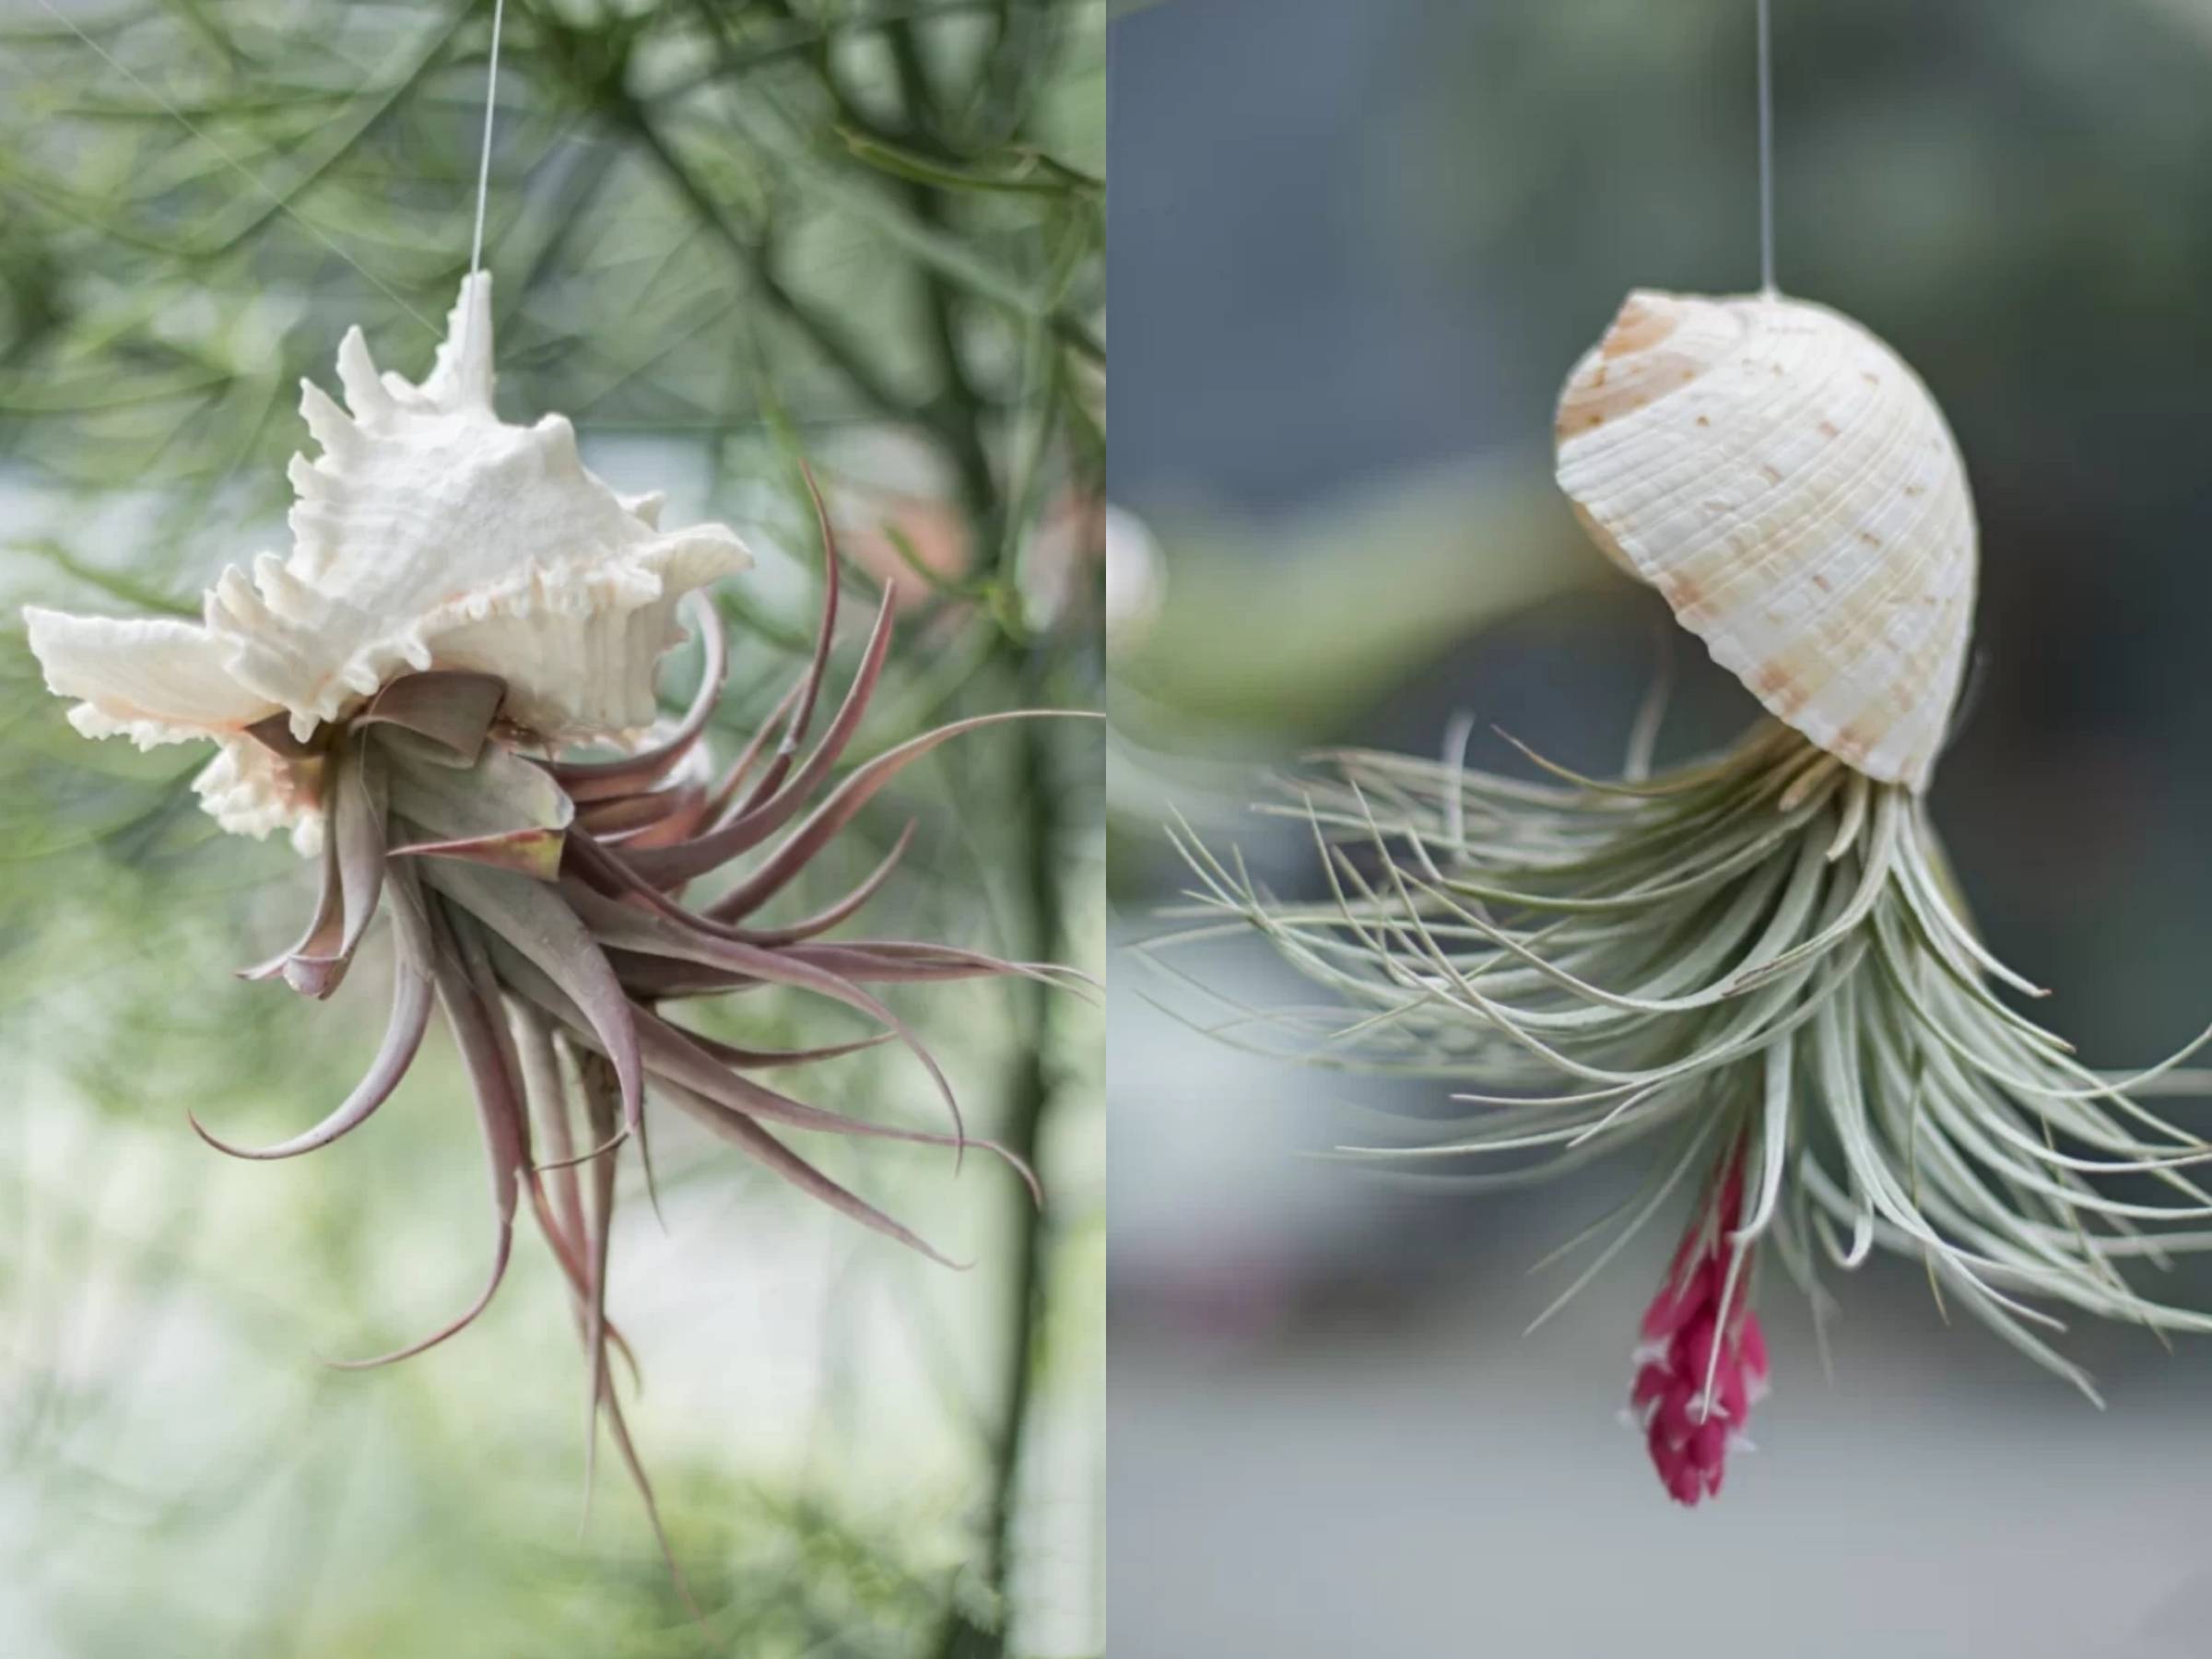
pixel 429 528
pixel 1791 489
pixel 427 532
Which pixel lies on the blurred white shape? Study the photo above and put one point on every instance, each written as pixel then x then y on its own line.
pixel 1135 581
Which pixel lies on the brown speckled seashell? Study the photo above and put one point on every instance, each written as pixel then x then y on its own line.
pixel 1789 486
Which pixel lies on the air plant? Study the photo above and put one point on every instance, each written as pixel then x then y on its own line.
pixel 465 603
pixel 1756 962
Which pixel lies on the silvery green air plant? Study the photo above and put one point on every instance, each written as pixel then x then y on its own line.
pixel 465 603
pixel 1754 970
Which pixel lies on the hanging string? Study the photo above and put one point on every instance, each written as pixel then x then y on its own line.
pixel 491 101
pixel 1766 151
pixel 476 240
pixel 242 171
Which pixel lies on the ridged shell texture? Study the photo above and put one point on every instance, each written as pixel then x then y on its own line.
pixel 1791 489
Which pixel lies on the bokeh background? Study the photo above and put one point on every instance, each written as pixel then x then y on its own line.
pixel 725 235
pixel 1354 250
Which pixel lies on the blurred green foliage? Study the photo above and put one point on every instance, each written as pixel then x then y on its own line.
pixel 1309 626
pixel 723 236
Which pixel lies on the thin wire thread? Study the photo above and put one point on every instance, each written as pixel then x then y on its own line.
pixel 491 104
pixel 1766 150
pixel 243 171
pixel 476 243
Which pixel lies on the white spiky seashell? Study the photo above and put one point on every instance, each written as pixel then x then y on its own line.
pixel 1791 489
pixel 428 534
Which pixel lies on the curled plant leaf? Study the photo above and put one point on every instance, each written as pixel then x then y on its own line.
pixel 498 810
pixel 410 1019
pixel 449 708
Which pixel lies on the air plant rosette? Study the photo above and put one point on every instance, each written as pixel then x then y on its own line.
pixel 1756 963
pixel 464 606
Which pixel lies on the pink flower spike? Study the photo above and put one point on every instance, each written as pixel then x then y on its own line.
pixel 1703 1362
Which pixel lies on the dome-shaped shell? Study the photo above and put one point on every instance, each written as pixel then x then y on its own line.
pixel 1789 486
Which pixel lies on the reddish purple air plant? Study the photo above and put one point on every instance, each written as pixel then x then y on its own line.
pixel 465 603
pixel 538 902
pixel 1703 1362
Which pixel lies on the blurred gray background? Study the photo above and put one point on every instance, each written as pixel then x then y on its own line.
pixel 1354 249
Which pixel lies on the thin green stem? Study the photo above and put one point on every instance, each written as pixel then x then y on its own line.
pixel 828 341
